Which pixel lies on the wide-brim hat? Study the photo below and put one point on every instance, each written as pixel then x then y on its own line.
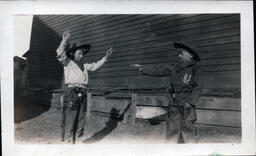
pixel 71 51
pixel 188 49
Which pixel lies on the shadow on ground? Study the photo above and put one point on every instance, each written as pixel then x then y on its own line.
pixel 25 109
pixel 109 127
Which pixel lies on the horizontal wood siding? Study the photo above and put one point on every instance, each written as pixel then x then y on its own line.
pixel 136 38
pixel 145 39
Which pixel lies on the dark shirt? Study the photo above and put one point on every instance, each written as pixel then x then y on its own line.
pixel 183 73
pixel 184 76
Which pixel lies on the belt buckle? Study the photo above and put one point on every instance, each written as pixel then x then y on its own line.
pixel 79 94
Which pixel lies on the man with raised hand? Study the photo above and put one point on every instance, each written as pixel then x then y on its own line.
pixel 76 80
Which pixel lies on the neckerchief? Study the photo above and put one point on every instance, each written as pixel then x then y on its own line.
pixel 80 64
pixel 183 64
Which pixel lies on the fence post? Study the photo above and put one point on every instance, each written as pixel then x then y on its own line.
pixel 89 106
pixel 133 107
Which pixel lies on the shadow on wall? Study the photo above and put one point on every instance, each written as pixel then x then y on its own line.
pixel 44 71
pixel 25 108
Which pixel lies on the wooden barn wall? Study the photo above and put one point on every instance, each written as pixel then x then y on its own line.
pixel 143 39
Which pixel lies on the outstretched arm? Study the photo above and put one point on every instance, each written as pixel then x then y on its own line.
pixel 97 65
pixel 155 70
pixel 61 51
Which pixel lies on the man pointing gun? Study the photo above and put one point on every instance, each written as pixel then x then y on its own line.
pixel 183 93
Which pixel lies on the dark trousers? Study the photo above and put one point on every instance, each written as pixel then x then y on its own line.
pixel 181 123
pixel 73 113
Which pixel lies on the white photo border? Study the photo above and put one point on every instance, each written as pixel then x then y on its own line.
pixel 245 8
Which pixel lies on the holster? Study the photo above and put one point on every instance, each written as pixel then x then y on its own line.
pixel 76 95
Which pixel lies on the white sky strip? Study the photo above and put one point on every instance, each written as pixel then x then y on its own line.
pixel 22 26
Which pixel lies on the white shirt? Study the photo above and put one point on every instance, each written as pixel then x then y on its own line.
pixel 73 75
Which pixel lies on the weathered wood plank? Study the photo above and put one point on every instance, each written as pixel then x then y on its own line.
pixel 221 82
pixel 155 113
pixel 121 82
pixel 146 82
pixel 214 130
pixel 210 117
pixel 225 118
pixel 118 95
pixel 219 103
pixel 107 105
pixel 153 100
pixel 203 103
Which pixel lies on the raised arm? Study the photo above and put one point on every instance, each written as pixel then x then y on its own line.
pixel 155 70
pixel 61 51
pixel 97 65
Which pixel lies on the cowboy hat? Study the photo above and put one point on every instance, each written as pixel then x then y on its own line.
pixel 188 49
pixel 71 51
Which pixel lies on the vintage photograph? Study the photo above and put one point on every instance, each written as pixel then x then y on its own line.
pixel 129 78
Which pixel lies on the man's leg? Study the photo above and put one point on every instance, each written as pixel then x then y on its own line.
pixel 63 120
pixel 70 116
pixel 173 125
pixel 82 118
pixel 189 132
pixel 189 129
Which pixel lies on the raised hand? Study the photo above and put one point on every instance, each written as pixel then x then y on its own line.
pixel 109 52
pixel 66 35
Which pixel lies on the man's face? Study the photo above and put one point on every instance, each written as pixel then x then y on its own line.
pixel 78 55
pixel 184 55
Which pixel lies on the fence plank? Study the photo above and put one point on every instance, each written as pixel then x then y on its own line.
pixel 224 118
pixel 220 103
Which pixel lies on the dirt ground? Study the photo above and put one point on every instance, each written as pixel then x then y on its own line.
pixel 37 124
